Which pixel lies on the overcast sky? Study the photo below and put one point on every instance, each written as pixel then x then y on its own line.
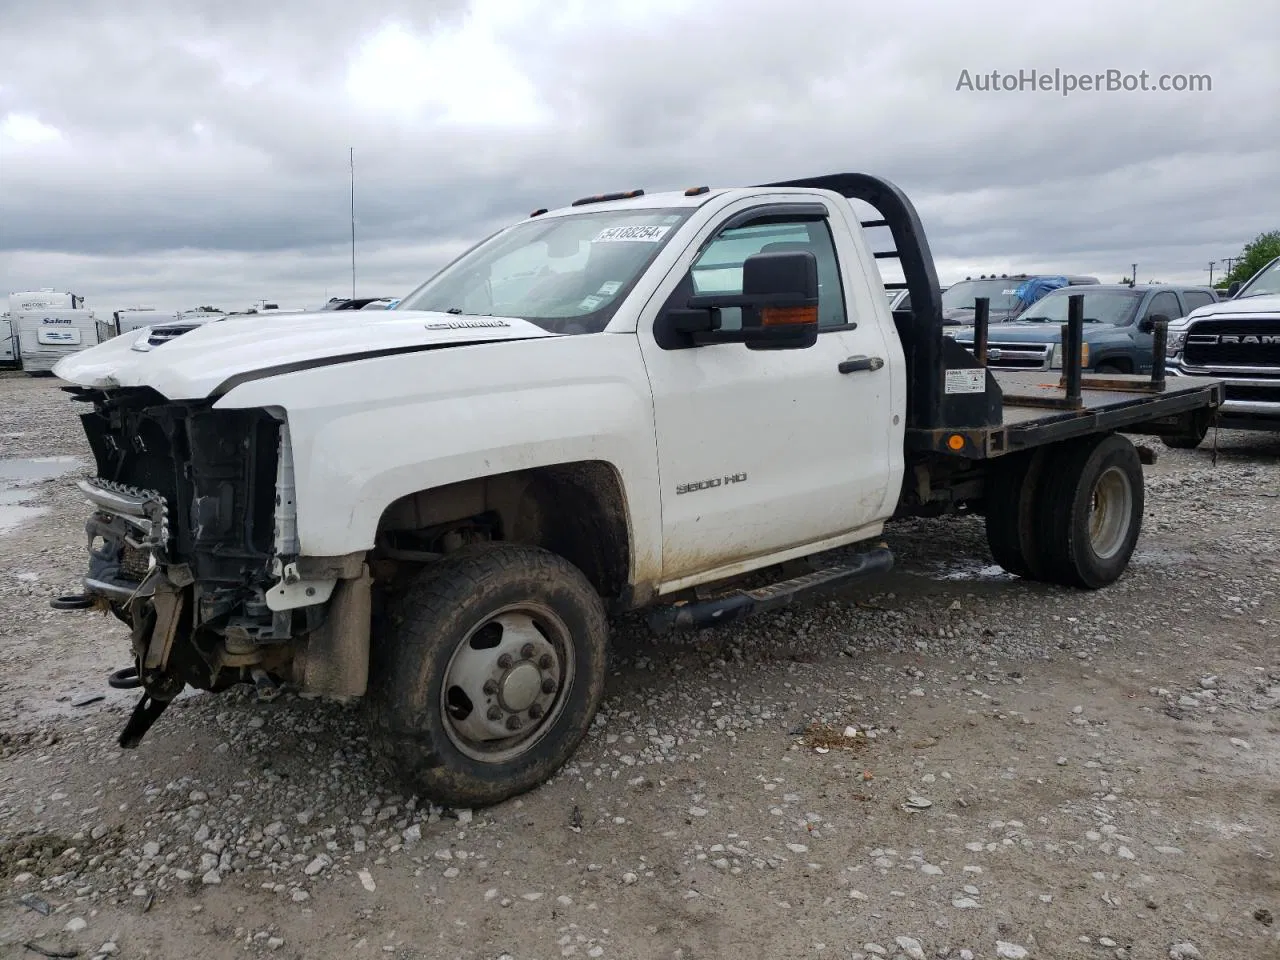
pixel 185 152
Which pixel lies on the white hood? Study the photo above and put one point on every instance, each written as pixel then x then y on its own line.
pixel 1266 303
pixel 193 365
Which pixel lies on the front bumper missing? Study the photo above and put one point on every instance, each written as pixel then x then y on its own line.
pixel 127 538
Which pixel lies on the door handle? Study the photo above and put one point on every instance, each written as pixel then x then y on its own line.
pixel 856 364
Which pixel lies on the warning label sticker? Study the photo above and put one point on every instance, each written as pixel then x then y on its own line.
pixel 966 381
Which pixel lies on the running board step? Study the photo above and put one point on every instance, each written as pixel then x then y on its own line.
pixel 743 603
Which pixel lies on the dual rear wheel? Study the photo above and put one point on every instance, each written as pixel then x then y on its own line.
pixel 1068 514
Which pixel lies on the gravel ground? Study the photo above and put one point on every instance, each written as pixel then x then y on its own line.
pixel 946 763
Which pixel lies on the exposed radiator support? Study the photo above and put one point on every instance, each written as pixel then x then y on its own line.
pixel 286 522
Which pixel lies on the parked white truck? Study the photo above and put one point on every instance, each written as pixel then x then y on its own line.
pixel 1237 339
pixel 597 409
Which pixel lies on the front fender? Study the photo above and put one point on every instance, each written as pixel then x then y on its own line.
pixel 369 432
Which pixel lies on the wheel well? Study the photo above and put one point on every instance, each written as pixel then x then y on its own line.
pixel 576 510
pixel 1123 364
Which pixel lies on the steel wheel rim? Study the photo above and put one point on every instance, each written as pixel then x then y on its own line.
pixel 1109 512
pixel 515 666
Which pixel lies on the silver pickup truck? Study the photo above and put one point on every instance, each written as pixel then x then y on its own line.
pixel 1236 341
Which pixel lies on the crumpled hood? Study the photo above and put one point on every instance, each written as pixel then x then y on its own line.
pixel 194 364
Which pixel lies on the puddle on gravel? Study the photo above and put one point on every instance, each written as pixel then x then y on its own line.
pixel 971 570
pixel 16 480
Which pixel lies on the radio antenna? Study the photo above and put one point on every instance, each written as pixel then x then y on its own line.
pixel 351 157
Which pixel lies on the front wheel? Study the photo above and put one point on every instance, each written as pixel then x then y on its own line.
pixel 490 674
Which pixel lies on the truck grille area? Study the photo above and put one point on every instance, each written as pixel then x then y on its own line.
pixel 1234 343
pixel 1016 356
pixel 180 484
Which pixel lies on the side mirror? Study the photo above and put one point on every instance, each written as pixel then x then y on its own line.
pixel 1233 289
pixel 779 303
pixel 1148 324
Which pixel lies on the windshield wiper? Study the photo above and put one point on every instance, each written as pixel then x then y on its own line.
pixel 456 311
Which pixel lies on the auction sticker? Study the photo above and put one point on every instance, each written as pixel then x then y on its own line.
pixel 644 234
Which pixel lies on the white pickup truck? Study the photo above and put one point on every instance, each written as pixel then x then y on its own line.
pixel 597 409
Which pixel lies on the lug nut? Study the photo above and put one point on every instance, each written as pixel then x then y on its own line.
pixel 548 686
pixel 513 723
pixel 495 713
pixel 527 651
pixel 490 687
pixel 535 711
pixel 504 661
pixel 545 662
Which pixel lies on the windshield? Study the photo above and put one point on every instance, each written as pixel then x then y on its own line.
pixel 1265 283
pixel 565 274
pixel 1115 307
pixel 1002 293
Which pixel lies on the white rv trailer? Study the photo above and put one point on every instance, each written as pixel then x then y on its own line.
pixel 8 342
pixel 46 299
pixel 22 302
pixel 46 336
pixel 135 318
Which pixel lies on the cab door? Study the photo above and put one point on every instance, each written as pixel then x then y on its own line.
pixel 765 451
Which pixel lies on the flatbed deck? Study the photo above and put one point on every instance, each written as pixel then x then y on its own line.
pixel 1034 411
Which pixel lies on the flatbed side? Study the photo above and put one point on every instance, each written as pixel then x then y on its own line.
pixel 1029 424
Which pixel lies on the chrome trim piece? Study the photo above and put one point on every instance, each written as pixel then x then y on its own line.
pixel 117 591
pixel 1262 407
pixel 143 509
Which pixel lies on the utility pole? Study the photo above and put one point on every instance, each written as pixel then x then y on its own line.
pixel 1211 263
pixel 1133 277
pixel 351 157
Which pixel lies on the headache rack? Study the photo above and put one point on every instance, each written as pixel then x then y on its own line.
pixel 957 406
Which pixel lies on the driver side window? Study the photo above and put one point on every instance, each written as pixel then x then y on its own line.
pixel 718 268
pixel 1166 303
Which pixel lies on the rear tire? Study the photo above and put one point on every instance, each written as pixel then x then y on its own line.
pixel 489 674
pixel 1011 497
pixel 1090 513
pixel 1191 440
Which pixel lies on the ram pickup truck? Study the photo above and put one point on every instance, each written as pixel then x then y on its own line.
pixel 1118 323
pixel 1237 340
pixel 630 402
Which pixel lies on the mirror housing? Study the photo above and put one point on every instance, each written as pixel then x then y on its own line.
pixel 1148 324
pixel 1233 289
pixel 779 303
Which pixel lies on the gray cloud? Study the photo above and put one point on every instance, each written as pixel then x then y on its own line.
pixel 203 149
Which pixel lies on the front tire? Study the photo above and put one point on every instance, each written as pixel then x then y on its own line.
pixel 490 673
pixel 1090 514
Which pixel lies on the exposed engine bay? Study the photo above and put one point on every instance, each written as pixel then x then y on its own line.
pixel 193 544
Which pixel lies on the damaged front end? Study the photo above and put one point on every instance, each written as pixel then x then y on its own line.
pixel 193 543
